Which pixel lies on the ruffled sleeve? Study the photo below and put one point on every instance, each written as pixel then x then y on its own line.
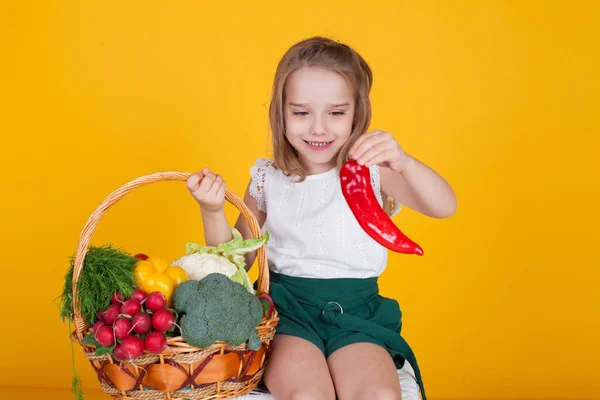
pixel 258 173
pixel 376 184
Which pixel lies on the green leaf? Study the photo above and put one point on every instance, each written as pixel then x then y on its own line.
pixel 77 388
pixel 175 313
pixel 243 279
pixel 100 351
pixel 237 236
pixel 235 246
pixel 171 333
pixel 192 247
pixel 106 270
pixel 90 340
pixel 266 306
pixel 238 260
pixel 239 246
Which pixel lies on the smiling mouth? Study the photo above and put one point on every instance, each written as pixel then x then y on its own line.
pixel 318 144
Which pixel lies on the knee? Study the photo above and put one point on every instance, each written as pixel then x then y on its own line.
pixel 382 392
pixel 305 394
pixel 302 395
pixel 310 395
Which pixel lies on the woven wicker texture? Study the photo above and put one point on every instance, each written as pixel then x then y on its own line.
pixel 182 372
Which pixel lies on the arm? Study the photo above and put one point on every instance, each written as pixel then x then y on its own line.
pixel 420 188
pixel 216 227
pixel 403 177
pixel 209 191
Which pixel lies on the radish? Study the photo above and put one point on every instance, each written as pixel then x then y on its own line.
pixel 156 301
pixel 141 323
pixel 104 336
pixel 118 352
pixel 139 295
pixel 122 327
pixel 141 256
pixel 132 347
pixel 156 342
pixel 97 325
pixel 163 320
pixel 131 307
pixel 111 313
pixel 117 298
pixel 100 315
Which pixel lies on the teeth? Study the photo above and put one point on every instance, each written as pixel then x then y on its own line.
pixel 319 144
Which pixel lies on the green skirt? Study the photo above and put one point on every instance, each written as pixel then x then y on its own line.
pixel 333 313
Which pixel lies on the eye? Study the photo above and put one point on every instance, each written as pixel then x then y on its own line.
pixel 300 113
pixel 338 113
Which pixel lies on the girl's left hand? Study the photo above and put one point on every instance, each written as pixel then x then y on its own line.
pixel 381 148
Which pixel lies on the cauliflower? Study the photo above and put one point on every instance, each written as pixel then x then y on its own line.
pixel 225 259
pixel 199 265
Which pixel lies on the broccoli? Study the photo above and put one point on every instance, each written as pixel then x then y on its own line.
pixel 217 309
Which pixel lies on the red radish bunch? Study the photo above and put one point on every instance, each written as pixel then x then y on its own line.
pixel 134 325
pixel 121 328
pixel 163 320
pixel 142 323
pixel 156 342
pixel 139 295
pixel 131 307
pixel 156 301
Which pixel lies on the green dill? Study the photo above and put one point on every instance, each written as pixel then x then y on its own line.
pixel 106 270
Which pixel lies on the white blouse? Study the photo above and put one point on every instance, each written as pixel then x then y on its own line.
pixel 312 231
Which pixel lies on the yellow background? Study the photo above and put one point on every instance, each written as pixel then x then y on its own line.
pixel 500 97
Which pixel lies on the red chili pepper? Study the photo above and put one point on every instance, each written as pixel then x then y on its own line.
pixel 358 192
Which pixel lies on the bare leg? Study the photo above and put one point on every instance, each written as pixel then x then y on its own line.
pixel 297 370
pixel 364 371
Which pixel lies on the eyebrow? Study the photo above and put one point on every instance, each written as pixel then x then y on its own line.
pixel 304 105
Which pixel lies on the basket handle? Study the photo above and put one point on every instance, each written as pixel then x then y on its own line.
pixel 94 219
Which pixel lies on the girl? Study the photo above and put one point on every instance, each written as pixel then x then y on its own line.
pixel 336 336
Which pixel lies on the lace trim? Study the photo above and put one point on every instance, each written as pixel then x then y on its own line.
pixel 376 182
pixel 257 185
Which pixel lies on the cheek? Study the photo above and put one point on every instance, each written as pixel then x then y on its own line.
pixel 295 127
pixel 343 126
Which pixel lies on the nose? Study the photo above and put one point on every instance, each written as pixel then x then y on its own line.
pixel 318 127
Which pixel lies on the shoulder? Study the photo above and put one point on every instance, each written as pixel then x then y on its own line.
pixel 259 172
pixel 261 166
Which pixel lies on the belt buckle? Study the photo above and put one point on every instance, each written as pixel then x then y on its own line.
pixel 336 303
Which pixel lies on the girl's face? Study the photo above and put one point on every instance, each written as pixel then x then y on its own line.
pixel 319 111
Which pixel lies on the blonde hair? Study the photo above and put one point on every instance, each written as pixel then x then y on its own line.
pixel 334 56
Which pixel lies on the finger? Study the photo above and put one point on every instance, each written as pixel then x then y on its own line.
pixel 370 154
pixel 218 182
pixel 207 183
pixel 216 192
pixel 221 191
pixel 368 144
pixel 378 159
pixel 369 139
pixel 359 142
pixel 193 182
pixel 216 186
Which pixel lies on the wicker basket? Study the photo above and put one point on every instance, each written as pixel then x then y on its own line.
pixel 182 372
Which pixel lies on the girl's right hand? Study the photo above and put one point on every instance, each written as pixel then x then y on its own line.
pixel 208 189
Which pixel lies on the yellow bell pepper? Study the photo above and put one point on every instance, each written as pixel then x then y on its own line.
pixel 156 275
